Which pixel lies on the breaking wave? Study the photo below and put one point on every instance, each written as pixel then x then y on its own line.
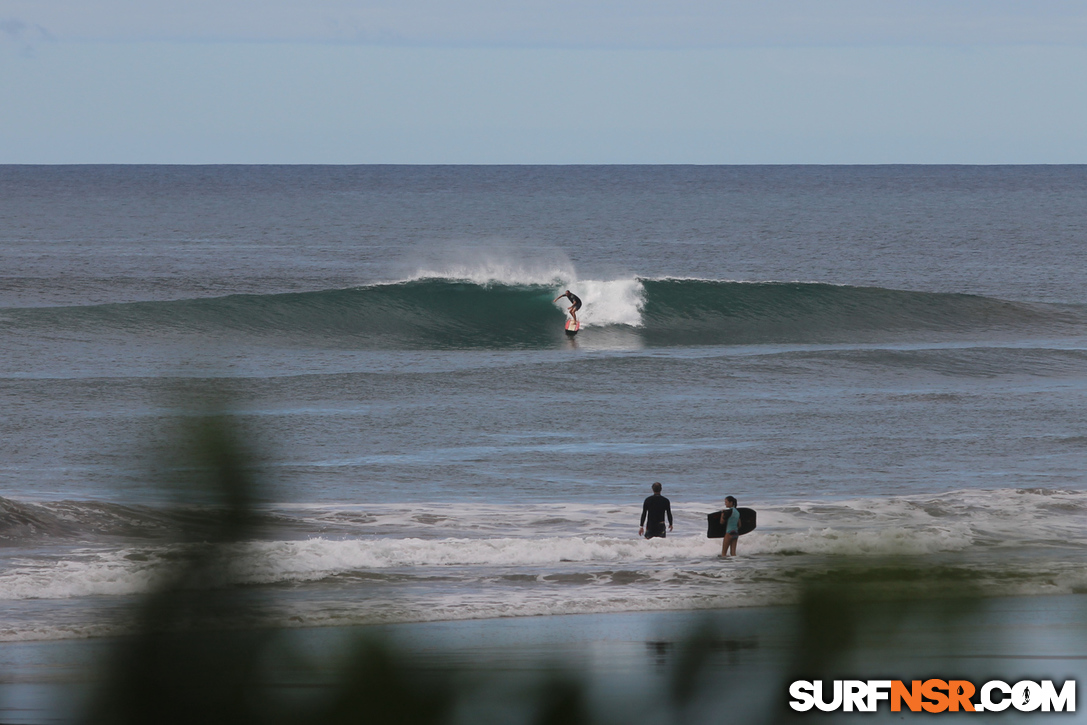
pixel 351 564
pixel 451 313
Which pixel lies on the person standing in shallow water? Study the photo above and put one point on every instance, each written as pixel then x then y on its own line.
pixel 730 517
pixel 654 509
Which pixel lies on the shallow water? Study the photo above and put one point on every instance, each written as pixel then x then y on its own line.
pixel 626 662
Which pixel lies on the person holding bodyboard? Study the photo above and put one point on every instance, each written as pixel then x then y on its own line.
pixel 730 523
pixel 730 518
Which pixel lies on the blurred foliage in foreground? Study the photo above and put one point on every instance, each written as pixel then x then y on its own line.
pixel 187 665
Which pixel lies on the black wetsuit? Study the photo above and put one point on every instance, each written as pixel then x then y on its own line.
pixel 574 300
pixel 655 508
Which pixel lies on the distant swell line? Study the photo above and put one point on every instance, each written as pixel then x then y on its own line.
pixel 433 313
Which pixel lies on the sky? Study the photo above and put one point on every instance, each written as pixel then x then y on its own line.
pixel 543 81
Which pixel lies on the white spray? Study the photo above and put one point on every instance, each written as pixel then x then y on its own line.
pixel 604 302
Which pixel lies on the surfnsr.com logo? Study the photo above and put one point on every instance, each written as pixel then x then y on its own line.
pixel 932 696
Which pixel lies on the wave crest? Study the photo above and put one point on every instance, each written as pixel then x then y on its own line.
pixel 452 313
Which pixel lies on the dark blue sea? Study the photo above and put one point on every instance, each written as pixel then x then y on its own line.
pixel 881 360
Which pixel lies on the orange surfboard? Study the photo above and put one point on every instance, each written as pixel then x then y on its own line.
pixel 572 327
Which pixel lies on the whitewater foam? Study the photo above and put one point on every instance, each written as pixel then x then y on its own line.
pixel 606 302
pixel 328 564
pixel 539 538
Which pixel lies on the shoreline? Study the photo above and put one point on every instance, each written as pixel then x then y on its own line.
pixel 619 656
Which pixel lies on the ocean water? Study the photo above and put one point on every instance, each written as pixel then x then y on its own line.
pixel 882 361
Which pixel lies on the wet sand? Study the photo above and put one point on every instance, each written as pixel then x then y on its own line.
pixel 627 661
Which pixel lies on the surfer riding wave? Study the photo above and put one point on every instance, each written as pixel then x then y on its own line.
pixel 576 303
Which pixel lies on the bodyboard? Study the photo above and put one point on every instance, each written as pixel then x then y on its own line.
pixel 716 529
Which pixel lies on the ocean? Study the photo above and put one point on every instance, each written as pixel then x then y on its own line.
pixel 884 361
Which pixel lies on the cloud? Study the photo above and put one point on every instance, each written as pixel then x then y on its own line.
pixel 566 23
pixel 22 34
pixel 12 27
pixel 19 30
